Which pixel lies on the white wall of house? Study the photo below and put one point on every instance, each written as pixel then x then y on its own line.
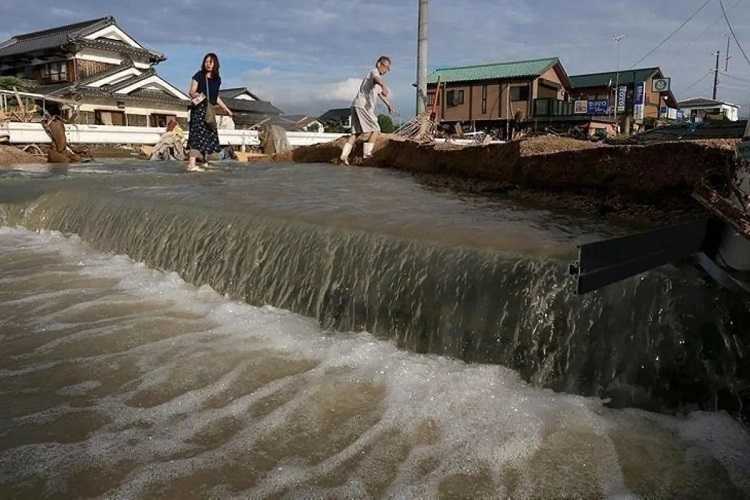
pixel 102 56
pixel 117 77
pixel 730 111
pixel 315 126
pixel 136 111
pixel 114 33
pixel 27 133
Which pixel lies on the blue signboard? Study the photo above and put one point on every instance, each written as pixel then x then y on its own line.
pixel 598 108
pixel 640 100
pixel 640 93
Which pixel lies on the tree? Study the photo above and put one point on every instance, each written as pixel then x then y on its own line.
pixel 8 82
pixel 386 124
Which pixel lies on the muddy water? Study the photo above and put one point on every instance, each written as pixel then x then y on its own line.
pixel 121 381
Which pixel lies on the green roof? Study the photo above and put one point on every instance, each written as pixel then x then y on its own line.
pixel 627 77
pixel 494 71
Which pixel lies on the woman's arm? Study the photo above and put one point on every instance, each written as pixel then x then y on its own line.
pixel 193 89
pixel 223 106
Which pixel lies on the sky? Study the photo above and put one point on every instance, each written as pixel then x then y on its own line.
pixel 307 56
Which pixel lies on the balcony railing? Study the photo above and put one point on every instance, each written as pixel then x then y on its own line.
pixel 552 107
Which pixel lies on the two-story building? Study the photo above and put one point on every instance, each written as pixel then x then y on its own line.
pixel 98 64
pixel 490 95
pixel 640 94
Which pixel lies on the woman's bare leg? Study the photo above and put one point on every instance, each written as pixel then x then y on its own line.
pixel 192 167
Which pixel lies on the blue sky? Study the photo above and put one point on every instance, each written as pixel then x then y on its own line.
pixel 309 55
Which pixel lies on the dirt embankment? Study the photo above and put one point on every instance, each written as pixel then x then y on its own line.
pixel 631 183
pixel 550 163
pixel 548 144
pixel 10 155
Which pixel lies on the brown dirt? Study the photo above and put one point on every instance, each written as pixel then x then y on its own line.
pixel 546 144
pixel 645 171
pixel 10 155
pixel 729 144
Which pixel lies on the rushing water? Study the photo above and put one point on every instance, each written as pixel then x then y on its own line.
pixel 118 378
pixel 123 381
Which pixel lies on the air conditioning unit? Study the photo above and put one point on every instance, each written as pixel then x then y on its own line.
pixel 661 85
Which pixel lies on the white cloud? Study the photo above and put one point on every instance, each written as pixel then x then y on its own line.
pixel 339 91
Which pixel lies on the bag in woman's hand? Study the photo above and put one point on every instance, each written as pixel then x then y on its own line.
pixel 210 116
pixel 210 110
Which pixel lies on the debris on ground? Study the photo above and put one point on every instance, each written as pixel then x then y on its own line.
pixel 11 155
pixel 546 144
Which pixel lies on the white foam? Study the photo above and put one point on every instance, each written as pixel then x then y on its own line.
pixel 484 418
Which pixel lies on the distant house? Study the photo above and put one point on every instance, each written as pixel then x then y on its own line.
pixel 303 123
pixel 98 64
pixel 493 94
pixel 698 108
pixel 339 119
pixel 600 89
pixel 248 109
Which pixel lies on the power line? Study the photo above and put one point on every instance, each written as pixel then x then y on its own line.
pixel 733 77
pixel 685 23
pixel 709 26
pixel 708 73
pixel 731 30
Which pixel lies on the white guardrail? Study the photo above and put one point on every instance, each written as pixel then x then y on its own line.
pixel 28 133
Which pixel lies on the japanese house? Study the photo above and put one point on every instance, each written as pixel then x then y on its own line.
pixel 101 66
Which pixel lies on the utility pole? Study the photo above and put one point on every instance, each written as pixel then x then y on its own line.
pixel 617 39
pixel 422 56
pixel 726 62
pixel 716 74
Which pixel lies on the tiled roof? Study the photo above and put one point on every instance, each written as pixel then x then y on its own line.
pixel 627 77
pixel 700 102
pixel 496 71
pixel 234 92
pixel 51 38
pixel 82 88
pixel 63 35
pixel 242 105
pixel 335 115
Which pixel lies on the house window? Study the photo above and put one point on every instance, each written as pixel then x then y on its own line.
pixel 455 98
pixel 109 118
pixel 484 99
pixel 55 72
pixel 519 93
pixel 159 120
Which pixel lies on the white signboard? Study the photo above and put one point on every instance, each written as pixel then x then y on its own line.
pixel 661 84
pixel 622 97
pixel 581 107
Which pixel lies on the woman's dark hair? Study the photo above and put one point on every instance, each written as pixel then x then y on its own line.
pixel 215 72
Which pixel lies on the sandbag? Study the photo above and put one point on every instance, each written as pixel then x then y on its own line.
pixel 273 140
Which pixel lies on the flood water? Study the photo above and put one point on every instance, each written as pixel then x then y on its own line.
pixel 290 332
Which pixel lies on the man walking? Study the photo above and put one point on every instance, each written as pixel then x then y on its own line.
pixel 364 119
